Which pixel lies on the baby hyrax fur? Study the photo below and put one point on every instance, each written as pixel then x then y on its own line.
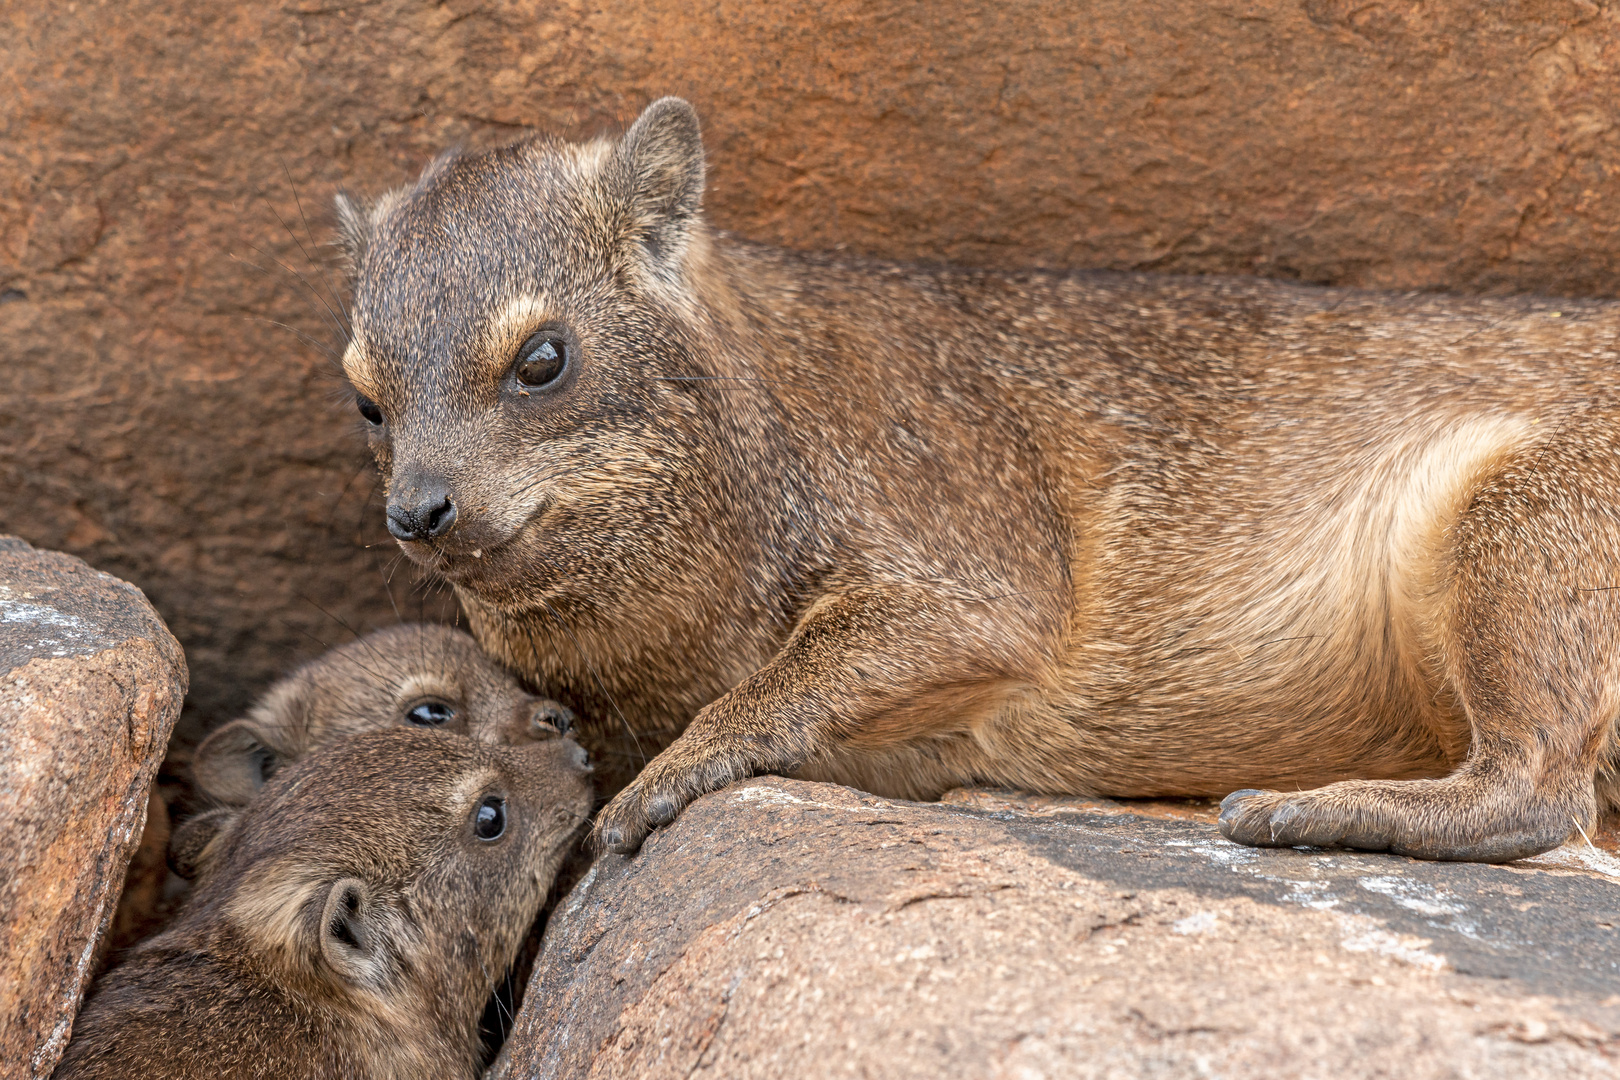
pixel 911 527
pixel 351 921
pixel 418 674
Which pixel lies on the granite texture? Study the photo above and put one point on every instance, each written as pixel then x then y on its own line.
pixel 90 685
pixel 783 929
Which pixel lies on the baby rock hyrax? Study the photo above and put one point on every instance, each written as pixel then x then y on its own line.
pixel 911 527
pixel 418 674
pixel 350 922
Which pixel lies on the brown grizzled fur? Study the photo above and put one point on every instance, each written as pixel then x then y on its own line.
pixel 910 527
pixel 349 922
pixel 414 673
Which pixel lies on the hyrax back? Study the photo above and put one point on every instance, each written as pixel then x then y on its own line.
pixel 417 674
pixel 351 922
pixel 911 527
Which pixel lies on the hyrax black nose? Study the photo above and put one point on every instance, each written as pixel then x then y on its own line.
pixel 420 513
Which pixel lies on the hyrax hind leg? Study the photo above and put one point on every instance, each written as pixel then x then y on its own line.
pixel 1528 627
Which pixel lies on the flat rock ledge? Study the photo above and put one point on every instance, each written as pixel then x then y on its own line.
pixel 90 684
pixel 781 929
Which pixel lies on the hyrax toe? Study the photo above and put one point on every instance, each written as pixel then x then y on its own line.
pixel 612 840
pixel 1246 817
pixel 1272 819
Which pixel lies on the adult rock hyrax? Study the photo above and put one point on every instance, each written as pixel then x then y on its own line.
pixel 350 922
pixel 417 674
pixel 910 527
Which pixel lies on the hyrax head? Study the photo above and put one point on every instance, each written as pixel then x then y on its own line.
pixel 394 874
pixel 415 674
pixel 528 360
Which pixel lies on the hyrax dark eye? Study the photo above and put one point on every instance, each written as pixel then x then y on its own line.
pixel 368 409
pixel 430 714
pixel 489 821
pixel 542 360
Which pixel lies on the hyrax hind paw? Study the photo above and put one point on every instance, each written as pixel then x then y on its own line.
pixel 1421 819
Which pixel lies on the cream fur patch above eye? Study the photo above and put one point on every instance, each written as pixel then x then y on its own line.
pixel 357 366
pixel 511 327
pixel 468 789
pixel 418 686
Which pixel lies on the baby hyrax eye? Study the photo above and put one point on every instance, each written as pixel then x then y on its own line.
pixel 542 360
pixel 489 820
pixel 429 714
pixel 368 409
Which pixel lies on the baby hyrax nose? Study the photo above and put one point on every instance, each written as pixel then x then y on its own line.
pixel 554 757
pixel 421 511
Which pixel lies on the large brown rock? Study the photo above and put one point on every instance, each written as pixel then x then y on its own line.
pixel 781 930
pixel 90 686
pixel 165 417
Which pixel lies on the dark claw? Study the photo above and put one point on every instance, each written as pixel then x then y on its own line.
pixel 1233 825
pixel 661 810
pixel 1229 805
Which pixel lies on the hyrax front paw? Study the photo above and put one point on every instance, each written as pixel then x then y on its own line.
pixel 664 788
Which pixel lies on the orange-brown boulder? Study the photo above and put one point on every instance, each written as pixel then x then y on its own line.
pixel 90 685
pixel 785 929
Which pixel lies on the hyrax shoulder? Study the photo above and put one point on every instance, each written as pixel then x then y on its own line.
pixel 417 674
pixel 351 921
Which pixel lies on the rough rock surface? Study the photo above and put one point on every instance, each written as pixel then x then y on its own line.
pixel 784 929
pixel 90 685
pixel 160 423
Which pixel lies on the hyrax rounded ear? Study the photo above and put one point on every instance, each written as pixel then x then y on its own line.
pixel 352 931
pixel 663 157
pixel 233 763
pixel 357 217
pixel 196 844
pixel 354 227
pixel 551 718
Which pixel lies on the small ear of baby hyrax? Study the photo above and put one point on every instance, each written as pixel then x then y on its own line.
pixel 197 842
pixel 551 718
pixel 233 763
pixel 663 156
pixel 352 933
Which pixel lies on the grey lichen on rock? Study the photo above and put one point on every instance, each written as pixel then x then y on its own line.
pixel 54 606
pixel 90 684
pixel 785 929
